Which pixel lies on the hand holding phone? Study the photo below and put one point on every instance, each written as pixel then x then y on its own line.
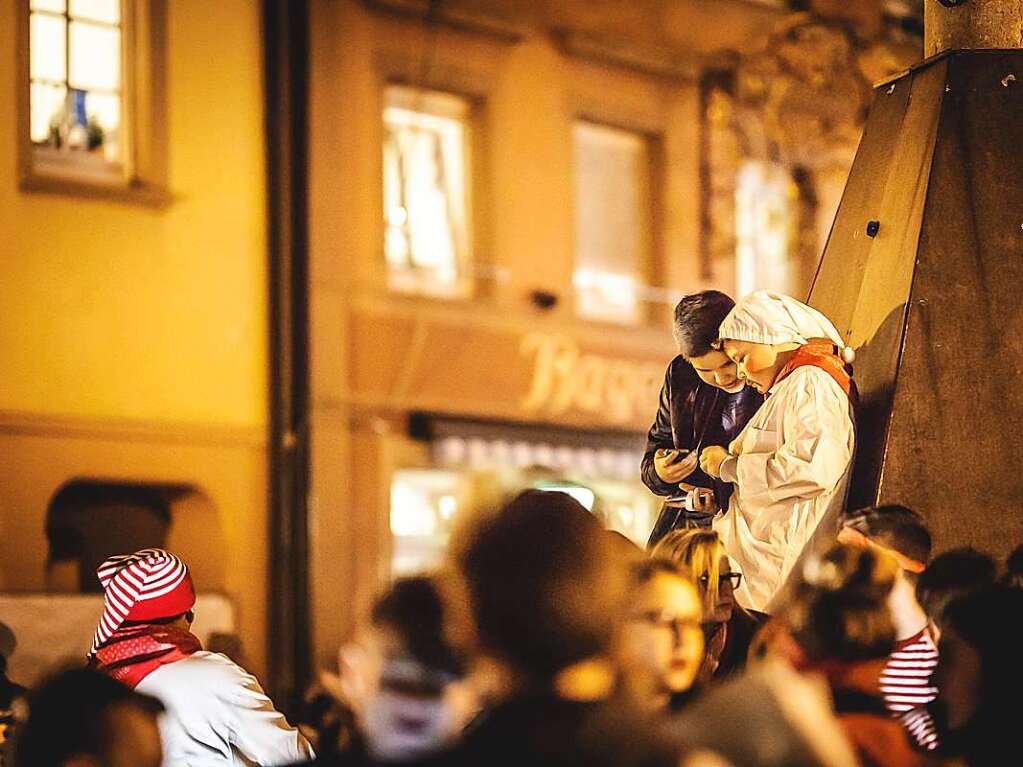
pixel 698 499
pixel 673 466
pixel 674 456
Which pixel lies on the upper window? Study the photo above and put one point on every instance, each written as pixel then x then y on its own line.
pixel 426 162
pixel 613 222
pixel 76 97
pixel 93 84
pixel 765 196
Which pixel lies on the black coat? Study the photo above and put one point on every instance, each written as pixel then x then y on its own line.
pixel 689 417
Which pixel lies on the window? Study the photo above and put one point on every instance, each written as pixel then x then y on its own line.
pixel 765 197
pixel 93 87
pixel 426 160
pixel 75 53
pixel 613 222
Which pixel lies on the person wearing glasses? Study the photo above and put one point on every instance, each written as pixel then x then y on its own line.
pixel 661 644
pixel 728 628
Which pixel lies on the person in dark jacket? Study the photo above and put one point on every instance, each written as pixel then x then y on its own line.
pixel 979 675
pixel 548 596
pixel 703 402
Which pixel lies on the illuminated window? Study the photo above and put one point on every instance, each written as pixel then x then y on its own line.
pixel 93 113
pixel 613 222
pixel 424 507
pixel 76 97
pixel 765 197
pixel 427 239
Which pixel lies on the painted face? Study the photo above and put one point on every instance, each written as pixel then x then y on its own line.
pixel 663 641
pixel 716 369
pixel 756 364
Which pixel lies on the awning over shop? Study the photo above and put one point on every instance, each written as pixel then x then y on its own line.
pixel 480 445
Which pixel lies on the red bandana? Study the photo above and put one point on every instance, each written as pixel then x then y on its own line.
pixel 820 353
pixel 134 652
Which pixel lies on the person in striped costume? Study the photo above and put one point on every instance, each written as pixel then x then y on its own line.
pixel 217 713
pixel 905 681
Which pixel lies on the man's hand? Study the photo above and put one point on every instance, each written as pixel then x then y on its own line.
pixel 673 473
pixel 711 459
pixel 703 498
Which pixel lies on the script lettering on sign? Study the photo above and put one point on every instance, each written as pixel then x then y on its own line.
pixel 567 379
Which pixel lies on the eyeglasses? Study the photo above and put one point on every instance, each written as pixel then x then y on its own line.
pixel 732 578
pixel 666 619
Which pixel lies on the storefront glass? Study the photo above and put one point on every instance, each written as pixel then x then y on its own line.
pixel 427 503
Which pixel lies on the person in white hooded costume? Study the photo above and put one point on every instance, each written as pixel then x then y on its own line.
pixel 791 462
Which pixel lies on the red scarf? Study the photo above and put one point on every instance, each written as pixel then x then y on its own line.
pixel 134 652
pixel 820 353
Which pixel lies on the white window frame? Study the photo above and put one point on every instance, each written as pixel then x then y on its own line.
pixel 643 278
pixel 423 283
pixel 765 259
pixel 139 176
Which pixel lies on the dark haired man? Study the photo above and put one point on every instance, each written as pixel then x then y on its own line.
pixel 703 402
pixel 548 592
pixel 951 575
pixel 84 719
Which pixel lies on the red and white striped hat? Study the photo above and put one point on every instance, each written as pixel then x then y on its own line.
pixel 147 585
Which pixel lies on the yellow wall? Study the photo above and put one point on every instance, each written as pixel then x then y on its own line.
pixel 116 311
pixel 133 341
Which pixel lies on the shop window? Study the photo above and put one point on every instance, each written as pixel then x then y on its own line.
pixel 765 201
pixel 424 505
pixel 88 521
pixel 86 128
pixel 426 182
pixel 613 222
pixel 474 472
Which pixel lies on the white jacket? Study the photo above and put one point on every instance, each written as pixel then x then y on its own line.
pixel 218 715
pixel 793 461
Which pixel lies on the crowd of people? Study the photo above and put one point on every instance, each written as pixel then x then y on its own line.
pixel 762 626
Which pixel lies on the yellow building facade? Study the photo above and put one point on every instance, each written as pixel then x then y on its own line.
pixel 133 338
pixel 134 332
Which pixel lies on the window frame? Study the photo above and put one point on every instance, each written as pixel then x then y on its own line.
pixel 652 259
pixel 465 286
pixel 140 176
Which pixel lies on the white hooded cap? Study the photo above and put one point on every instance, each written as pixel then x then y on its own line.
pixel 764 317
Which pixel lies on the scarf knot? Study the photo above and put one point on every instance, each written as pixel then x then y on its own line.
pixel 134 652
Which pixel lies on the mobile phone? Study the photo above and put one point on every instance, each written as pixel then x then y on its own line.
pixel 677 456
pixel 689 500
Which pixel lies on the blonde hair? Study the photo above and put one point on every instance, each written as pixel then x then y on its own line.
pixel 700 551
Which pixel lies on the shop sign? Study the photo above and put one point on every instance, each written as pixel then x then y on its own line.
pixel 616 390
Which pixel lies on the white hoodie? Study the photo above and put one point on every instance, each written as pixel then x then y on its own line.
pixel 793 463
pixel 218 715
